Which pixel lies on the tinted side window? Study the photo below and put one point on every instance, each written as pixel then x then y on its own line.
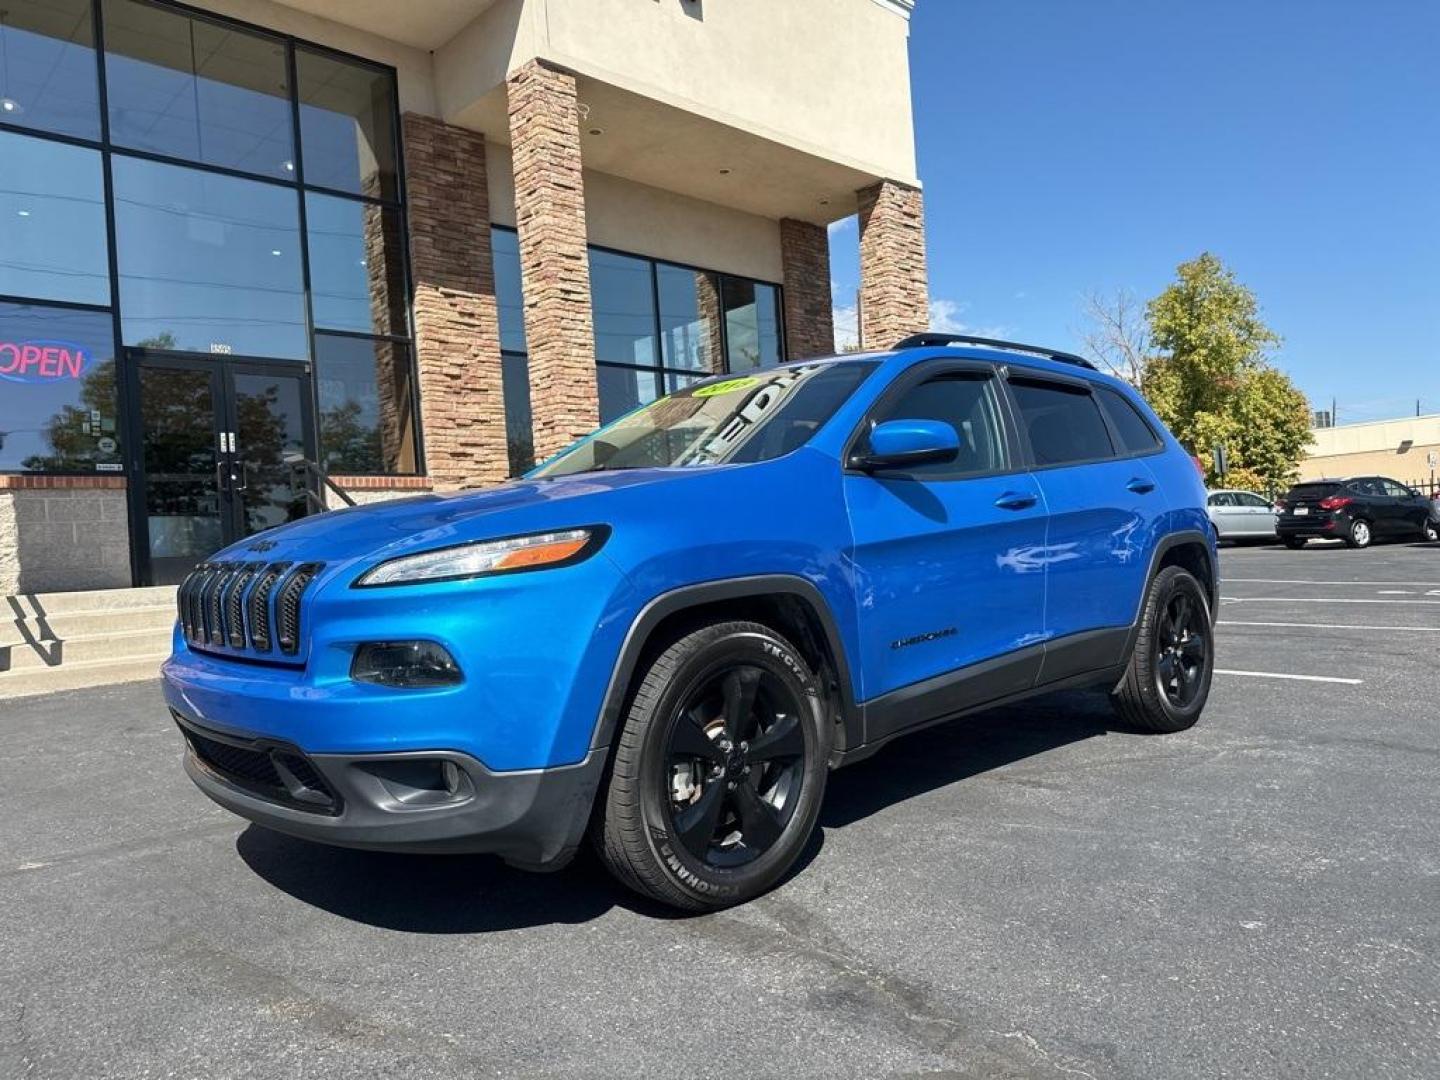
pixel 1064 422
pixel 1136 434
pixel 1367 485
pixel 1222 499
pixel 968 404
pixel 1398 491
pixel 1245 498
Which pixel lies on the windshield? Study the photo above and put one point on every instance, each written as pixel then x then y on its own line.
pixel 726 420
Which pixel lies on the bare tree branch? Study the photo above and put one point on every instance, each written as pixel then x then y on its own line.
pixel 1119 334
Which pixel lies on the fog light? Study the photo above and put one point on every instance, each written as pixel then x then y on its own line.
pixel 411 665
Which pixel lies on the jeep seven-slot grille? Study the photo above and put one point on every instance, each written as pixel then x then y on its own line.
pixel 236 604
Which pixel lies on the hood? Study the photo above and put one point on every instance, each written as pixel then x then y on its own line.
pixel 397 526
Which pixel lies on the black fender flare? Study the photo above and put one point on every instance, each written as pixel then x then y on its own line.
pixel 709 592
pixel 1166 544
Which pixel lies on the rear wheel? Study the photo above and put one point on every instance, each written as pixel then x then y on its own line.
pixel 1294 543
pixel 719 770
pixel 1168 678
pixel 1359 534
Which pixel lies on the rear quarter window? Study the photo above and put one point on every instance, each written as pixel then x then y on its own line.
pixel 1136 434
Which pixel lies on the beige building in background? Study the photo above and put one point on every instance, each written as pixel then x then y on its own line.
pixel 1400 449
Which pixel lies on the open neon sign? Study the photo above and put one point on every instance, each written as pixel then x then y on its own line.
pixel 42 361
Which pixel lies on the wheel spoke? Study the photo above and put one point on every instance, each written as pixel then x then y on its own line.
pixel 689 740
pixel 695 825
pixel 1182 615
pixel 1193 648
pixel 785 739
pixel 759 823
pixel 739 693
pixel 1166 667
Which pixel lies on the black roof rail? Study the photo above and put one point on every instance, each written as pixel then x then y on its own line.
pixel 917 341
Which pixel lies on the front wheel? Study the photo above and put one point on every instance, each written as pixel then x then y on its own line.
pixel 1168 678
pixel 1359 534
pixel 719 770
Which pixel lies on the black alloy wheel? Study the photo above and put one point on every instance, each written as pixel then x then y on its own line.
pixel 1182 650
pixel 719 768
pixel 735 764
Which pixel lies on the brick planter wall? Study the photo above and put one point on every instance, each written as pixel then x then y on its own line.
pixel 457 327
pixel 894 288
pixel 554 263
pixel 809 314
pixel 63 533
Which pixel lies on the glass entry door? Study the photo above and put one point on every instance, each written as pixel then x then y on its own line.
pixel 214 437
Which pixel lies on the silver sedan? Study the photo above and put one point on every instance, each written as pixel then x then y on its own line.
pixel 1241 515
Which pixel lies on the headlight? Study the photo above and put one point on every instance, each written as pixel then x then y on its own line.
pixel 534 552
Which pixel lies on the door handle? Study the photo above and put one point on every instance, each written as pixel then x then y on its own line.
pixel 221 472
pixel 1140 486
pixel 1015 500
pixel 241 479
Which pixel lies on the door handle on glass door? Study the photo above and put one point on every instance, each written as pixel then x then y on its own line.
pixel 1141 486
pixel 1015 500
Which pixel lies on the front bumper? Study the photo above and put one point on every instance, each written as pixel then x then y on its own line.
pixel 534 818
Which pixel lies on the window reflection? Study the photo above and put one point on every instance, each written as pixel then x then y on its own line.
pixel 622 389
pixel 689 318
pixel 356 279
pixel 367 420
pixel 57 390
pixel 623 303
pixel 752 324
pixel 519 423
pixel 347 128
pixel 191 88
pixel 52 221
pixel 47 67
pixel 505 245
pixel 208 263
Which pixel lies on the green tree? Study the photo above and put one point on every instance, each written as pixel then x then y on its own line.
pixel 1206 372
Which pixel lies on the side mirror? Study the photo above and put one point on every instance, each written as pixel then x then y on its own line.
pixel 904 444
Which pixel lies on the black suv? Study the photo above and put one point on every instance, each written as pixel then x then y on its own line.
pixel 1356 510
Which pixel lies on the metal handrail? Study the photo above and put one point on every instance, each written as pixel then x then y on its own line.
pixel 313 472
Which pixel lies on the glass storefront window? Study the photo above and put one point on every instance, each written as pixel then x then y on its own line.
pixel 367 416
pixel 47 67
pixel 752 324
pixel 57 390
pixel 357 280
pixel 347 125
pixel 505 246
pixel 52 221
pixel 191 88
pixel 689 318
pixel 622 389
pixel 208 263
pixel 623 304
pixel 519 423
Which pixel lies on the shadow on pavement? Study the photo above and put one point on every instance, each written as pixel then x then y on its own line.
pixel 936 757
pixel 468 894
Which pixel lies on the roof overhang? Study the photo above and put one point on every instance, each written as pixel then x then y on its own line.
pixel 425 24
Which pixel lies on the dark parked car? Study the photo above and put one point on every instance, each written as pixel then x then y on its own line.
pixel 1356 510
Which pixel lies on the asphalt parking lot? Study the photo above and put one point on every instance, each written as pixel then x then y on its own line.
pixel 1028 893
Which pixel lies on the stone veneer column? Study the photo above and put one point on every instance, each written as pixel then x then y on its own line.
pixel 894 290
pixel 809 314
pixel 554 263
pixel 457 326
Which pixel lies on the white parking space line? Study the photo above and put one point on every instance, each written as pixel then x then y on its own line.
pixel 1316 600
pixel 1332 626
pixel 1303 581
pixel 1283 675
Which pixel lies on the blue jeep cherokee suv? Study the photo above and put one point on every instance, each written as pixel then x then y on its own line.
pixel 667 635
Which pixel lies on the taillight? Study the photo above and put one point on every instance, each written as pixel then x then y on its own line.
pixel 1335 502
pixel 1279 508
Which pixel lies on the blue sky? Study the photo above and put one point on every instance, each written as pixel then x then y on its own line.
pixel 1070 147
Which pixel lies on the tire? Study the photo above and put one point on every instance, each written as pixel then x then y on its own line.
pixel 1144 698
pixel 687 786
pixel 1294 543
pixel 1359 535
pixel 1430 532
